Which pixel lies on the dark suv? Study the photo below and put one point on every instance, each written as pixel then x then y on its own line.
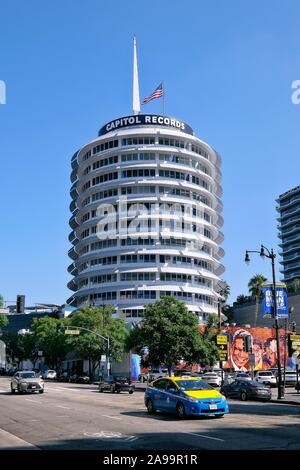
pixel 116 384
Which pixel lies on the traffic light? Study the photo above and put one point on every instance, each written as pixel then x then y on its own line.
pixel 20 303
pixel 247 343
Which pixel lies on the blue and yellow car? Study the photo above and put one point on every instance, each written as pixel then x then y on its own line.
pixel 184 396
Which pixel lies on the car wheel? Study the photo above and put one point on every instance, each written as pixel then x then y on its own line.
pixel 12 389
pixel 19 390
pixel 41 391
pixel 113 390
pixel 150 407
pixel 180 410
pixel 130 392
pixel 118 391
pixel 101 390
pixel 243 396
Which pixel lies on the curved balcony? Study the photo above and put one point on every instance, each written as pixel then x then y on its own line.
pixel 72 269
pixel 73 206
pixel 74 160
pixel 73 238
pixel 73 222
pixel 74 176
pixel 72 253
pixel 74 192
pixel 72 285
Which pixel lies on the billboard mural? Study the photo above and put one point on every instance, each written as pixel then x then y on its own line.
pixel 264 348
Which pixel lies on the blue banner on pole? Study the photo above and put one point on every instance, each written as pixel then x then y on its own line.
pixel 268 301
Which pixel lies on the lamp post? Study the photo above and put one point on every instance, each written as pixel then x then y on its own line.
pixel 265 252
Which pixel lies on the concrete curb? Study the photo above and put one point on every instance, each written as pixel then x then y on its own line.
pixel 283 401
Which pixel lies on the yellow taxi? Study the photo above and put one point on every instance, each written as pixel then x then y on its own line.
pixel 184 396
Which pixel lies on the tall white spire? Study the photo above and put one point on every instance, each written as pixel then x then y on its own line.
pixel 136 105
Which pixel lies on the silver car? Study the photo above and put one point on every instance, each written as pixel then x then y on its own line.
pixel 26 381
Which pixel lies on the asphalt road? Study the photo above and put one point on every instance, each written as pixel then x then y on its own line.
pixel 75 416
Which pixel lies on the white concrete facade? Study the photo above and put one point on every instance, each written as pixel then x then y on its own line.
pixel 146 220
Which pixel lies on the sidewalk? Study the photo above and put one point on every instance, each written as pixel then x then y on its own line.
pixel 9 441
pixel 291 396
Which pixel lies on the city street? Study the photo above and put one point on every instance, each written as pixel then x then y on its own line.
pixel 74 416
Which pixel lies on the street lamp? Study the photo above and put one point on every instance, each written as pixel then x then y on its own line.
pixel 265 252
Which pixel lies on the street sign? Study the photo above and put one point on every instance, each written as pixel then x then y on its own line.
pixel 222 339
pixel 222 342
pixel 72 332
pixel 103 358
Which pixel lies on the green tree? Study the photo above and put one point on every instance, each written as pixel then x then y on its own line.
pixel 225 290
pixel 254 286
pixel 89 346
pixel 54 344
pixel 3 321
pixel 241 299
pixel 170 333
pixel 1 301
pixel 14 347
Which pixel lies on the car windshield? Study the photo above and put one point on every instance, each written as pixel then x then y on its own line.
pixel 251 383
pixel 193 385
pixel 28 375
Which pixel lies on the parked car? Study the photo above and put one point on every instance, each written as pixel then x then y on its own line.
pixel 244 389
pixel 26 381
pixel 116 384
pixel 184 396
pixel 290 378
pixel 49 374
pixel 266 377
pixel 212 379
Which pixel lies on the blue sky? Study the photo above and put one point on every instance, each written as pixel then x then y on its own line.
pixel 228 68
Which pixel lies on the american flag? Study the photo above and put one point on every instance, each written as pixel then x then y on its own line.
pixel 157 93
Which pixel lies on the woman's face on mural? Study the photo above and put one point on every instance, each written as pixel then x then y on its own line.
pixel 239 356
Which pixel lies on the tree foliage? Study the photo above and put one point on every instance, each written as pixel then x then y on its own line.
pixel 254 286
pixel 169 332
pixel 53 344
pixel 3 321
pixel 1 301
pixel 19 347
pixel 89 346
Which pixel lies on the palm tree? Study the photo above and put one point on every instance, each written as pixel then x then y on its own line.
pixel 254 286
pixel 225 290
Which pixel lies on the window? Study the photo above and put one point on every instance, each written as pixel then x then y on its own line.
pixel 105 162
pixel 105 146
pixel 160 384
pixel 171 142
pixel 105 177
pixel 138 141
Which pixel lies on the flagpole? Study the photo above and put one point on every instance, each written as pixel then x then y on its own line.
pixel 163 87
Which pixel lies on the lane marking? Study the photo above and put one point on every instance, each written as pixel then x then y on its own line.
pixel 63 416
pixel 61 406
pixel 112 417
pixel 202 435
